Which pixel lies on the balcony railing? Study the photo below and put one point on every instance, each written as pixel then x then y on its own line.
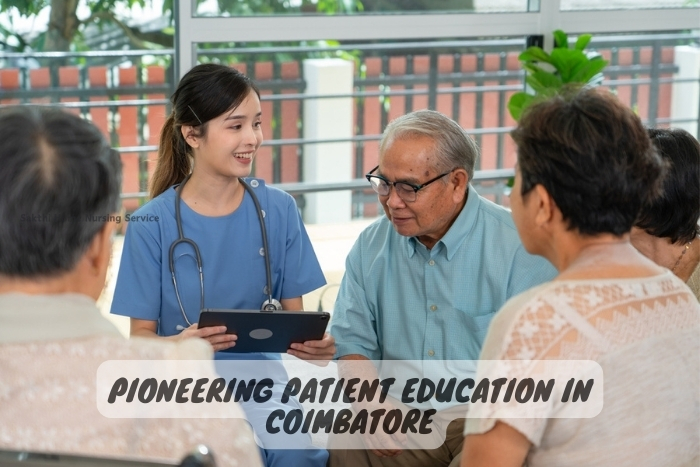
pixel 125 93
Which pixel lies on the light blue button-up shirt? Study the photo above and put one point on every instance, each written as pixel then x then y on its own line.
pixel 400 301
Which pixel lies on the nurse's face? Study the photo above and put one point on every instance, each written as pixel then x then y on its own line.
pixel 231 141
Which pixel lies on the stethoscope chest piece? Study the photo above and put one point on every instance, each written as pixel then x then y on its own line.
pixel 271 305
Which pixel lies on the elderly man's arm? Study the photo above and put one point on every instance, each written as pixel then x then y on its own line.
pixel 503 446
pixel 380 443
pixel 353 324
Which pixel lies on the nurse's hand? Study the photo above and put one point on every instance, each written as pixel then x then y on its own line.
pixel 322 350
pixel 215 335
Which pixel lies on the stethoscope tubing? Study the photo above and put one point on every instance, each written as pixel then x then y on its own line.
pixel 268 305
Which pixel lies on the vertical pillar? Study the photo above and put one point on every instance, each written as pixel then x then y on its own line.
pixel 685 96
pixel 549 20
pixel 330 118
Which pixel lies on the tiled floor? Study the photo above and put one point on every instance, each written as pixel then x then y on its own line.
pixel 331 242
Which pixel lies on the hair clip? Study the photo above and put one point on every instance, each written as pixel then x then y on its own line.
pixel 195 115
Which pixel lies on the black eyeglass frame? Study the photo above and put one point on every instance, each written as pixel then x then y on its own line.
pixel 416 188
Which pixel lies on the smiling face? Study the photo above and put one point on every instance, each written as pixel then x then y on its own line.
pixel 412 159
pixel 231 141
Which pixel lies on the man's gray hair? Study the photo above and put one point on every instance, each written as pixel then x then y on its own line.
pixel 454 148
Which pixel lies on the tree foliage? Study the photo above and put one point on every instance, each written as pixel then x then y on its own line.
pixel 64 27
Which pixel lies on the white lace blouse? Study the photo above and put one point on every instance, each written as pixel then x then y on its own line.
pixel 645 334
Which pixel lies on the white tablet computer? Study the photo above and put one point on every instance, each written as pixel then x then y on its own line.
pixel 266 331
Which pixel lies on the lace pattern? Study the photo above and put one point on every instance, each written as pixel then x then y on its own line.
pixel 47 404
pixel 643 333
pixel 620 312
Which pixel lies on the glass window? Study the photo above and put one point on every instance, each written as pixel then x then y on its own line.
pixel 573 5
pixel 227 8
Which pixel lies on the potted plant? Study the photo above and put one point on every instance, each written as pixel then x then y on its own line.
pixel 547 73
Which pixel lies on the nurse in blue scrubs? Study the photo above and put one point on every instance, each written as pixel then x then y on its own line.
pixel 207 147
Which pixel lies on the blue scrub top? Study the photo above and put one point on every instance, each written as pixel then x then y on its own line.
pixel 232 259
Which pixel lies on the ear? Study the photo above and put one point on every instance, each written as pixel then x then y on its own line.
pixel 460 179
pixel 545 206
pixel 190 135
pixel 98 256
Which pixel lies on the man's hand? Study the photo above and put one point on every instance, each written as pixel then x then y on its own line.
pixel 380 443
pixel 315 350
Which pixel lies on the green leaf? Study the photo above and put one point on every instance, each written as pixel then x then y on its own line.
pixel 561 40
pixel 582 41
pixel 586 71
pixel 535 54
pixel 565 60
pixel 532 69
pixel 543 82
pixel 25 8
pixel 517 103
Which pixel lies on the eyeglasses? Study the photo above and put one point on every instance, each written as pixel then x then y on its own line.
pixel 406 191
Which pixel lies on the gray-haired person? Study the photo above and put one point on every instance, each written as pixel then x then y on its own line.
pixel 59 198
pixel 424 281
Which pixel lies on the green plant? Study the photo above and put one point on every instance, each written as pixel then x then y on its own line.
pixel 547 73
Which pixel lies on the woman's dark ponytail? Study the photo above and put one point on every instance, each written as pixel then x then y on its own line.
pixel 173 160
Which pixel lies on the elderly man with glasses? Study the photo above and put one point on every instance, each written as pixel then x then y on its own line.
pixel 423 282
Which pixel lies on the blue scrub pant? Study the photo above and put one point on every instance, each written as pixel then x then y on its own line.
pixel 304 454
pixel 294 457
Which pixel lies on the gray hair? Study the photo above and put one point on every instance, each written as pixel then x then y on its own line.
pixel 59 184
pixel 453 146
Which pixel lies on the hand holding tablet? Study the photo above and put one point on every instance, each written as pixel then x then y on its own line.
pixel 260 331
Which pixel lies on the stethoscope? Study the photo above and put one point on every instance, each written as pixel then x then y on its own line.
pixel 270 304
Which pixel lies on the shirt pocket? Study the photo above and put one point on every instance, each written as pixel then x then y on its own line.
pixel 475 325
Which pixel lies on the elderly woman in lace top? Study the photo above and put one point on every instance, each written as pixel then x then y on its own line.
pixel 667 229
pixel 585 166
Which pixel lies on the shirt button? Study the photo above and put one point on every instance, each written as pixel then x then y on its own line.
pixel 254 183
pixel 431 262
pixel 262 251
pixel 430 353
pixel 433 307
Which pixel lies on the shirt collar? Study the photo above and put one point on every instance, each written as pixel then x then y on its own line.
pixel 27 318
pixel 457 233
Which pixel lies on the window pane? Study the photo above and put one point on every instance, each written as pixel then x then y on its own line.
pixel 572 5
pixel 342 7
